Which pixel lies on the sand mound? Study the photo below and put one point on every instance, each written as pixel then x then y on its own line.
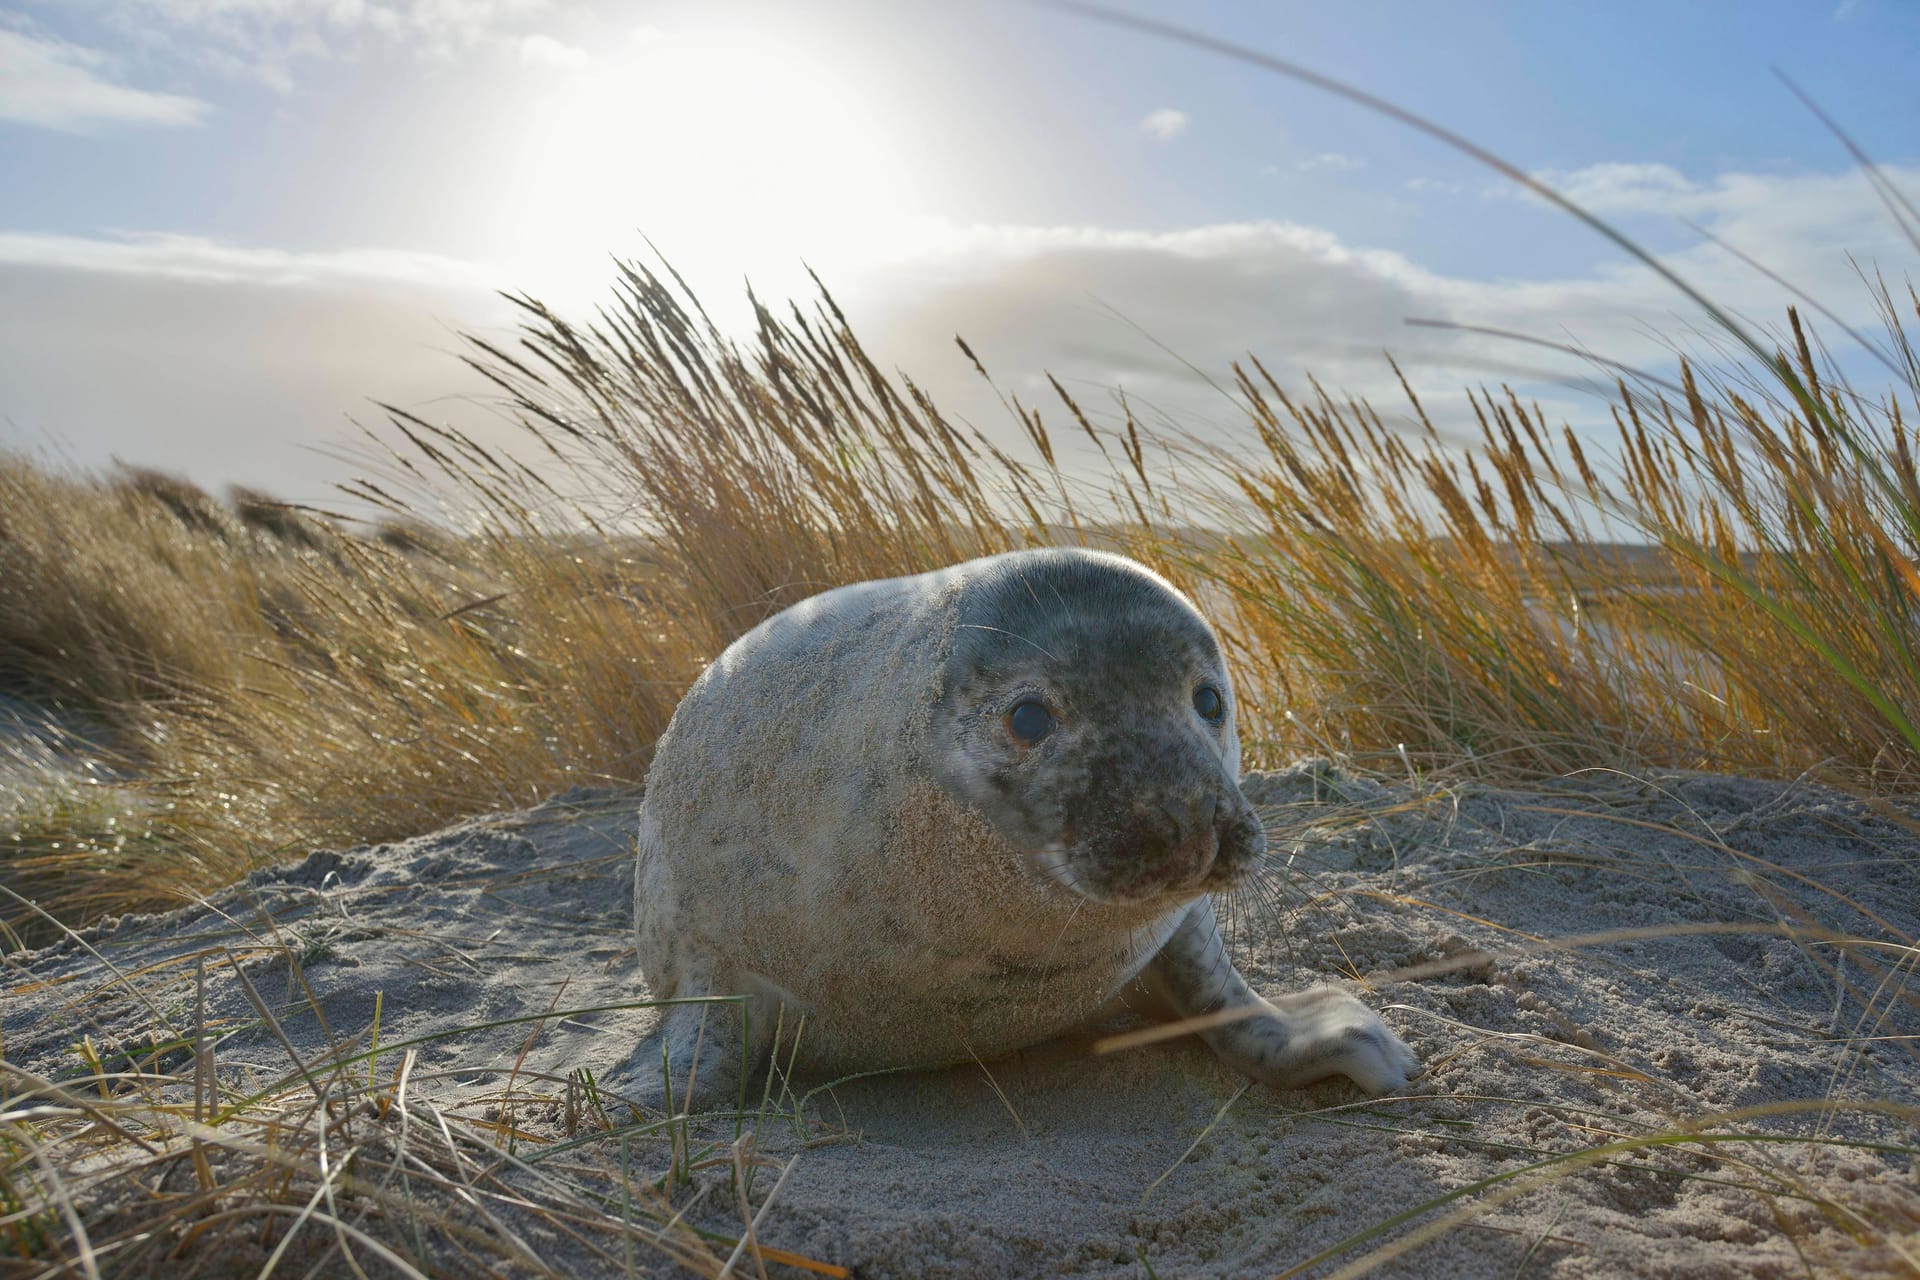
pixel 1713 997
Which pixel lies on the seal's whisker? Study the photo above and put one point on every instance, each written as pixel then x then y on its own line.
pixel 975 626
pixel 1065 925
pixel 1268 901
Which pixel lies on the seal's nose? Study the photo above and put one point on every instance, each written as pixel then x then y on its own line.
pixel 1191 815
pixel 1195 823
pixel 1183 864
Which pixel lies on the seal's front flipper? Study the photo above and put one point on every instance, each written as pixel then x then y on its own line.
pixel 1291 1041
pixel 697 1056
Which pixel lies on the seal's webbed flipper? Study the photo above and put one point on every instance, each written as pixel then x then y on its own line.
pixel 1294 1040
pixel 697 1056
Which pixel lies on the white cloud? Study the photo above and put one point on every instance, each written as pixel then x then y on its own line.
pixel 47 82
pixel 226 381
pixel 1331 160
pixel 206 341
pixel 1103 308
pixel 540 50
pixel 196 258
pixel 1800 225
pixel 265 40
pixel 1097 306
pixel 472 17
pixel 1619 188
pixel 1165 124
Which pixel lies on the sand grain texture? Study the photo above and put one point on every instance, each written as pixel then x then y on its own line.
pixel 1056 1162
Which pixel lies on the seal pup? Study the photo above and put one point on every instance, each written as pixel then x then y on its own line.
pixel 929 818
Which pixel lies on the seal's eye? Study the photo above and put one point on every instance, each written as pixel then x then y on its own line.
pixel 1207 701
pixel 1029 722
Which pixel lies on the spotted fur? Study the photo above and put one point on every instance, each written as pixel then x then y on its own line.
pixel 842 834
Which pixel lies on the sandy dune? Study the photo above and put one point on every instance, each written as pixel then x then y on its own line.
pixel 1058 1162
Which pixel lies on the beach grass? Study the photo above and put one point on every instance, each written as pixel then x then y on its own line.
pixel 155 1161
pixel 514 627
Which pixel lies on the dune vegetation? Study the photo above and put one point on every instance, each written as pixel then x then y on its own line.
pixel 265 679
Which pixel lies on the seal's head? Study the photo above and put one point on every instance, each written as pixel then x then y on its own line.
pixel 1086 713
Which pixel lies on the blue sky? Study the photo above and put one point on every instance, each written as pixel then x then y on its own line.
pixel 226 226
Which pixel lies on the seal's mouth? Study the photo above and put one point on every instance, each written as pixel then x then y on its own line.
pixel 1053 862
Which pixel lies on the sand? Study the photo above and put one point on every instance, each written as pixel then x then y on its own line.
pixel 1460 912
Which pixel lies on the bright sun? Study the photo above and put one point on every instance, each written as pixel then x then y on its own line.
pixel 734 155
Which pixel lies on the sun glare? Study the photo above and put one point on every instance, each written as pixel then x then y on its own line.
pixel 732 153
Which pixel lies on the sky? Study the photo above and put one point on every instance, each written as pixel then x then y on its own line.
pixel 230 229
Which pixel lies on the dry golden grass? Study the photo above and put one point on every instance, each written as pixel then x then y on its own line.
pixel 273 680
pixel 269 692
pixel 265 691
pixel 1390 590
pixel 142 1163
